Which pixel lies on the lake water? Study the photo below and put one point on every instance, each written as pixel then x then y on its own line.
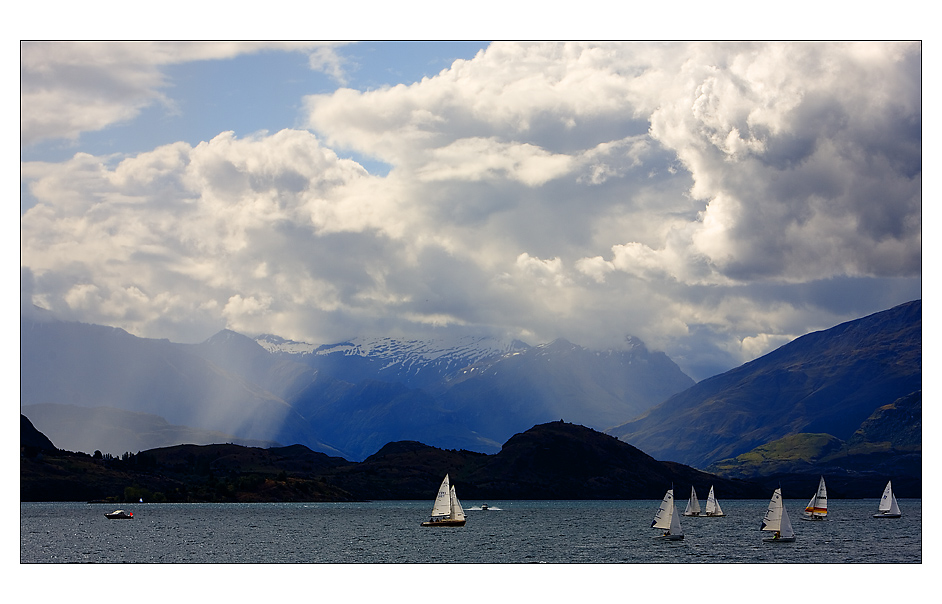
pixel 598 532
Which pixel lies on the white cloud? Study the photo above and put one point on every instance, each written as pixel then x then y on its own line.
pixel 596 268
pixel 487 159
pixel 711 199
pixel 178 226
pixel 329 61
pixel 545 271
pixel 746 121
pixel 67 88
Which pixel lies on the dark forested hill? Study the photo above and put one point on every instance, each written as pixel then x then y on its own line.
pixel 32 439
pixel 549 461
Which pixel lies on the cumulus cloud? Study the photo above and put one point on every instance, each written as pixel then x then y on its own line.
pixel 486 159
pixel 67 88
pixel 185 229
pixel 329 61
pixel 784 143
pixel 712 199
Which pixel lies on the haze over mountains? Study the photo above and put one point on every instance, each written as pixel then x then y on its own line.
pixel 347 399
pixel 833 395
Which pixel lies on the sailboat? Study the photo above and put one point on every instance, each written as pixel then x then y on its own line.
pixel 713 506
pixel 693 504
pixel 817 508
pixel 776 520
pixel 446 510
pixel 667 519
pixel 888 506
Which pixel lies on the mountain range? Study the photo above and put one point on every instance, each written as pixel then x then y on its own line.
pixel 414 363
pixel 826 382
pixel 95 366
pixel 347 399
pixel 845 398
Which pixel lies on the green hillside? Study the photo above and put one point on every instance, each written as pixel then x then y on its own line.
pixel 827 382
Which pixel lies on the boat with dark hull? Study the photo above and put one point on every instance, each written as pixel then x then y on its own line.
pixel 776 520
pixel 120 515
pixel 667 519
pixel 888 507
pixel 713 509
pixel 447 509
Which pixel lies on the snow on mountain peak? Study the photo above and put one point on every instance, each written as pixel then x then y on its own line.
pixel 273 343
pixel 469 347
pixel 474 347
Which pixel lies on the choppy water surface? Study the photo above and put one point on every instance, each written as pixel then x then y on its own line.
pixel 520 532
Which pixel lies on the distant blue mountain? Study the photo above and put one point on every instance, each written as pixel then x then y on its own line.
pixel 414 363
pixel 562 380
pixel 346 399
pixel 826 382
pixel 91 366
pixel 350 399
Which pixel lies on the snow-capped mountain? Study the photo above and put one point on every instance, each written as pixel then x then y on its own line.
pixel 277 344
pixel 415 363
pixel 349 398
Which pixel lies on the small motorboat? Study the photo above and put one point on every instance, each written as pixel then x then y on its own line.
pixel 484 507
pixel 115 515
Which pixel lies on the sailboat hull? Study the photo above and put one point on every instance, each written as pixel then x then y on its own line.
pixel 779 539
pixel 669 537
pixel 887 515
pixel 444 523
pixel 814 518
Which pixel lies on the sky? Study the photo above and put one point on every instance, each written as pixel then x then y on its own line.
pixel 716 200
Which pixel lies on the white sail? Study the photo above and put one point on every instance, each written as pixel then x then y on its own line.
pixel 786 531
pixel 894 507
pixel 712 505
pixel 888 505
pixel 675 523
pixel 693 504
pixel 457 513
pixel 818 506
pixel 885 500
pixel 773 516
pixel 776 518
pixel 662 519
pixel 442 507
